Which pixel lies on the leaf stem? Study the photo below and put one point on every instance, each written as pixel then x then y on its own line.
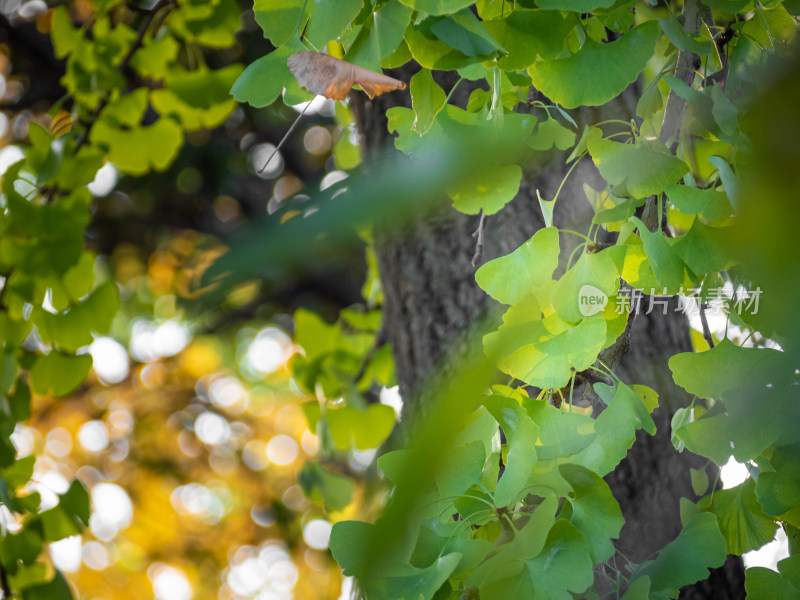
pixel 706 330
pixel 4 583
pixel 572 254
pixel 452 89
pixel 575 233
pixel 286 136
pixel 563 181
pixel 478 235
pixel 766 25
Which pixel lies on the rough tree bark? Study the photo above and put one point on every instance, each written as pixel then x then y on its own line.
pixel 431 298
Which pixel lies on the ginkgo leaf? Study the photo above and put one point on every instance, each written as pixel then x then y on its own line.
pixel 762 583
pixel 686 559
pixel 597 72
pixel 563 566
pixel 595 512
pixel 546 361
pixel 333 78
pixel 741 520
pixel 510 278
pixel 521 434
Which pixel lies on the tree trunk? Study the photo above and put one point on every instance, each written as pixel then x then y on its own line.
pixel 431 298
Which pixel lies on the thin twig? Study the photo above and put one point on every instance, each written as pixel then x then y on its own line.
pixel 141 33
pixel 6 277
pixel 286 136
pixel 92 119
pixel 706 330
pixel 84 137
pixel 478 234
pixel 4 582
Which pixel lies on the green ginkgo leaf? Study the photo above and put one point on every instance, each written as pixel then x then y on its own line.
pixel 597 72
pixel 432 53
pixel 427 99
pixel 547 362
pixel 527 543
pixel 380 36
pixel 141 149
pixel 362 429
pixel 615 428
pixel 55 589
pixel 595 512
pixel 211 24
pixel 332 489
pixel 578 6
pixel 58 373
pixel 563 566
pixel 685 560
pixel 329 21
pixel 521 434
pixel 662 258
pixel 561 432
pixel 281 19
pixel 437 7
pixel 679 37
pixel 460 469
pixel 513 33
pixel 704 249
pixel 778 489
pixel 439 538
pixel 72 329
pixel 762 583
pixel 724 368
pixel 641 169
pixel 512 277
pixel 551 133
pixel 593 275
pixel 464 32
pixel 741 519
pixel 263 80
pixel 198 98
pixel 711 203
pixel 489 193
pixel 407 581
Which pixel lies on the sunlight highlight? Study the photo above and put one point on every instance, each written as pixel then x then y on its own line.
pixel 113 510
pixel 733 473
pixel 110 360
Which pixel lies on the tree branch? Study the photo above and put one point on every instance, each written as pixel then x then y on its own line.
pixel 685 71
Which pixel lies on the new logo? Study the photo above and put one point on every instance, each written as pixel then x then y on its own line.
pixel 591 300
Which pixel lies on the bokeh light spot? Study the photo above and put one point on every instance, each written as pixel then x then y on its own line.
pixel 270 349
pixel 260 154
pixel 212 429
pixel 105 181
pixel 317 140
pixel 110 360
pixel 66 553
pixel 282 450
pixel 317 534
pixel 113 510
pixel 93 436
pixel 170 583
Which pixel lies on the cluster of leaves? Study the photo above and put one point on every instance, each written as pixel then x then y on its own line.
pixel 343 365
pixel 130 101
pixel 541 527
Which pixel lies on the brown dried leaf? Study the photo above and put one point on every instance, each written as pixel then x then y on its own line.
pixel 333 78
